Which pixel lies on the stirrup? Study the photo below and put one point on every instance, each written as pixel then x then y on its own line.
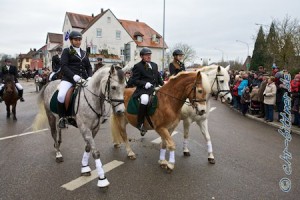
pixel 22 99
pixel 62 122
pixel 142 130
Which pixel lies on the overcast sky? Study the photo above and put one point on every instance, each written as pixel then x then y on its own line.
pixel 211 27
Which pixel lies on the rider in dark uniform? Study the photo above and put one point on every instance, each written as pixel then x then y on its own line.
pixel 12 70
pixel 145 77
pixel 75 65
pixel 55 64
pixel 177 65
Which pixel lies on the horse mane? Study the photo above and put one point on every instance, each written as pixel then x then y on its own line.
pixel 210 68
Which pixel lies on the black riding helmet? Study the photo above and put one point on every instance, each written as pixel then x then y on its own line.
pixel 75 34
pixel 145 51
pixel 178 52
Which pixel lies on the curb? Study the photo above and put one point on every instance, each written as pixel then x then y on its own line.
pixel 277 125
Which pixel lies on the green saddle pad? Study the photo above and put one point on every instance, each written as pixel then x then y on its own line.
pixel 53 103
pixel 133 106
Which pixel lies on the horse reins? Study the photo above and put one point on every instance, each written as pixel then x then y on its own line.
pixel 218 87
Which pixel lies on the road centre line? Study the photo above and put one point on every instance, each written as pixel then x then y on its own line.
pixel 22 134
pixel 158 140
pixel 80 181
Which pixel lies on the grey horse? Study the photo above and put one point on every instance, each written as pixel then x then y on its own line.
pixel 107 84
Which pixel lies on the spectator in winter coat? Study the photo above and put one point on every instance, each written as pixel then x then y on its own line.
pixel 245 100
pixel 295 95
pixel 261 96
pixel 236 98
pixel 270 99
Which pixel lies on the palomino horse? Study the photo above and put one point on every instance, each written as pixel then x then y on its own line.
pixel 171 97
pixel 10 95
pixel 219 82
pixel 107 84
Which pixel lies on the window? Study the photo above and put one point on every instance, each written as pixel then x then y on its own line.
pixel 94 49
pixel 139 38
pixel 98 32
pixel 118 35
pixel 108 19
pixel 122 51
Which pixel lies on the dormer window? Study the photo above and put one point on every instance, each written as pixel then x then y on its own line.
pixel 139 38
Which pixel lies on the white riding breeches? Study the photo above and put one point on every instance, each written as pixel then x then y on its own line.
pixel 63 89
pixel 19 86
pixel 144 99
pixel 1 86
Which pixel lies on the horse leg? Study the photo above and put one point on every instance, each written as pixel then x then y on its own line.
pixel 14 111
pixel 186 128
pixel 204 129
pixel 88 137
pixel 170 145
pixel 162 155
pixel 118 128
pixel 7 111
pixel 85 168
pixel 57 139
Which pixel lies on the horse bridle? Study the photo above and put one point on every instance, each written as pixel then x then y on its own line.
pixel 216 80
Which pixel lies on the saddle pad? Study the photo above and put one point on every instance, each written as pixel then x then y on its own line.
pixel 53 103
pixel 133 106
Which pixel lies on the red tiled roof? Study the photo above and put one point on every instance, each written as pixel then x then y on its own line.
pixel 55 38
pixel 94 20
pixel 135 28
pixel 79 20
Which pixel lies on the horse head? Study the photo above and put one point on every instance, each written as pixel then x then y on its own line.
pixel 10 86
pixel 222 80
pixel 198 94
pixel 114 88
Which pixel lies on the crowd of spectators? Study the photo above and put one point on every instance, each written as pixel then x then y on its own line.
pixel 261 93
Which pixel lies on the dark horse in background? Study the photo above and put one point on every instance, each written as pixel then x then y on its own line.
pixel 10 95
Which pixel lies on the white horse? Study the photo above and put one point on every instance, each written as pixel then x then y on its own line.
pixel 219 82
pixel 107 84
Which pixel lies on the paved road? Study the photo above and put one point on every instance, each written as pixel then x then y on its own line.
pixel 247 161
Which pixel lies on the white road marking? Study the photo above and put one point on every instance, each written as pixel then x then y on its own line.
pixel 22 134
pixel 76 183
pixel 212 109
pixel 158 140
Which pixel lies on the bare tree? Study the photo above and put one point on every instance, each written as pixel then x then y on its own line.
pixel 189 53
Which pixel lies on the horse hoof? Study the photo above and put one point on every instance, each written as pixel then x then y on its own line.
pixel 186 154
pixel 163 164
pixel 86 174
pixel 116 146
pixel 59 159
pixel 133 157
pixel 103 183
pixel 170 168
pixel 15 118
pixel 211 160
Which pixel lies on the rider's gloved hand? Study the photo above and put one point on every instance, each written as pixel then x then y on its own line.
pixel 148 85
pixel 76 78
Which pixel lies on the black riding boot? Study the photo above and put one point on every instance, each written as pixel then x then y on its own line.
pixel 1 94
pixel 62 115
pixel 141 118
pixel 20 92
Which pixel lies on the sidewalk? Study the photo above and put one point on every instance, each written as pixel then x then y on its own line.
pixel 275 123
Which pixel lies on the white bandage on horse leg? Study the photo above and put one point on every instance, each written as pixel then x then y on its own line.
pixel 185 143
pixel 172 157
pixel 99 168
pixel 209 147
pixel 162 154
pixel 85 159
pixel 19 86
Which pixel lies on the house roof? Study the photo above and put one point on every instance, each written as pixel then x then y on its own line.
pixel 94 20
pixel 136 28
pixel 79 20
pixel 55 38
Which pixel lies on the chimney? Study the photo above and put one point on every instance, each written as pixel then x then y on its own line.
pixel 102 10
pixel 137 20
pixel 92 14
pixel 34 49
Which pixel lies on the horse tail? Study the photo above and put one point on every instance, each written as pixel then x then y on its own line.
pixel 41 117
pixel 118 128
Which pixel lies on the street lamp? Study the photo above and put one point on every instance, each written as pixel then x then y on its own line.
pixel 246 44
pixel 163 51
pixel 222 53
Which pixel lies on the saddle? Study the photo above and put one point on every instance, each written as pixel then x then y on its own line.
pixel 133 105
pixel 69 102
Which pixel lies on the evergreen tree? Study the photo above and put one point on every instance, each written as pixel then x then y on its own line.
pixel 259 52
pixel 272 45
